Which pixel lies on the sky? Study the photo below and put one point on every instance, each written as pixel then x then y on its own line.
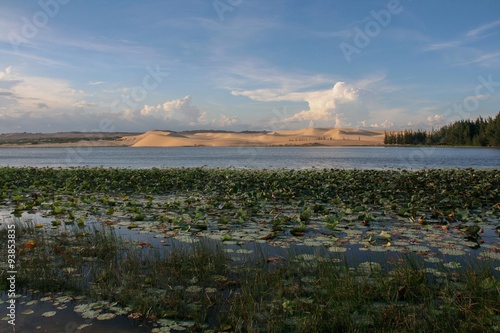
pixel 89 65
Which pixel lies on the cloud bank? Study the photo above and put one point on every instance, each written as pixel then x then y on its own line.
pixel 335 107
pixel 182 111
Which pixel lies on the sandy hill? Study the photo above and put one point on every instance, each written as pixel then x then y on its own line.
pixel 301 137
pixel 161 139
pixel 304 132
pixel 358 131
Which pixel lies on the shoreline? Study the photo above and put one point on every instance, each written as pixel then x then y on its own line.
pixel 307 137
pixel 90 144
pixel 301 137
pixel 72 145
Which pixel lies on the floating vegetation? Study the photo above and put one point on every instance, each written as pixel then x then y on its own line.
pixel 494 254
pixel 106 316
pixel 418 248
pixel 433 259
pixel 49 314
pixel 268 250
pixel 452 251
pixel 337 249
pixel 452 265
pixel 369 266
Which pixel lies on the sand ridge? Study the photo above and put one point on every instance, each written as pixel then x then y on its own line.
pixel 301 137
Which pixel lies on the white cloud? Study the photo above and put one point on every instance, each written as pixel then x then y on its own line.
pixel 385 124
pixel 36 94
pixel 180 113
pixel 96 83
pixel 307 94
pixel 443 45
pixel 179 109
pixel 225 121
pixel 83 104
pixel 5 73
pixel 483 28
pixel 436 119
pixel 463 49
pixel 475 97
pixel 323 104
pixel 491 59
pixel 469 37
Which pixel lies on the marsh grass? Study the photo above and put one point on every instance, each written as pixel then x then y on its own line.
pixel 300 293
pixel 294 292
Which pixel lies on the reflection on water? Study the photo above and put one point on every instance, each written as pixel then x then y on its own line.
pixel 35 308
pixel 247 244
pixel 30 310
pixel 256 157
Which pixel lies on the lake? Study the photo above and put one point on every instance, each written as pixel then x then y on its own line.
pixel 255 157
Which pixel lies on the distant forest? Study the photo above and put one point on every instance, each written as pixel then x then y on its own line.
pixel 479 132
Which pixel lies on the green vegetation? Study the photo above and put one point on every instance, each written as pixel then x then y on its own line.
pixel 262 251
pixel 64 137
pixel 201 286
pixel 479 132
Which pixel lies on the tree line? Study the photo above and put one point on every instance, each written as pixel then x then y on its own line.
pixel 479 132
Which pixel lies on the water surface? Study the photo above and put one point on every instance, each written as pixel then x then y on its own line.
pixel 255 157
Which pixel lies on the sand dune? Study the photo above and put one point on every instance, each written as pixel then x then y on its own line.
pixel 302 137
pixel 162 139
pixel 304 132
pixel 358 131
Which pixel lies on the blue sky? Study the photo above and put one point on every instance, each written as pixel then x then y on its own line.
pixel 75 65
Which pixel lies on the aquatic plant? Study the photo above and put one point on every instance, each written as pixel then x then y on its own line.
pixel 213 226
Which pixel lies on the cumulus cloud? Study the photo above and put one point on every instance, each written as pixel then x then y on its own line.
pixel 324 105
pixel 83 104
pixel 36 95
pixel 180 113
pixel 180 109
pixel 5 73
pixel 436 120
pixel 225 121
pixel 96 83
pixel 385 124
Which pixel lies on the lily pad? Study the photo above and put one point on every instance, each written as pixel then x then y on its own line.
pixel 90 314
pixel 194 289
pixel 452 264
pixel 337 249
pixel 452 251
pixel 49 314
pixel 495 255
pixel 106 316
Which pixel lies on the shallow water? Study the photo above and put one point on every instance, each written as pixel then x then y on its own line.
pixel 255 157
pixel 341 243
pixel 29 318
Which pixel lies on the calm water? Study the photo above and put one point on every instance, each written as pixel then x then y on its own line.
pixel 256 157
